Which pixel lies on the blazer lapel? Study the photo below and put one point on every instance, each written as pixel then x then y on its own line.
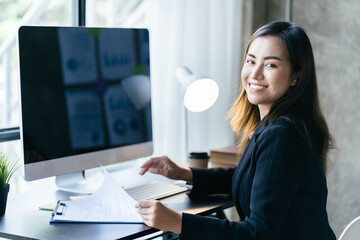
pixel 244 161
pixel 239 171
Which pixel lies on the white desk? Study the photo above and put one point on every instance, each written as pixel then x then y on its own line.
pixel 24 220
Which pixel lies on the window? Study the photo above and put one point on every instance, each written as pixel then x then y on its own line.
pixel 115 13
pixel 14 13
pixel 111 13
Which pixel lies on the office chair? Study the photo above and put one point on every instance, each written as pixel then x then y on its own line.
pixel 352 230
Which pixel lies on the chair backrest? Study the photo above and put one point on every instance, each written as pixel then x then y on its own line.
pixel 352 230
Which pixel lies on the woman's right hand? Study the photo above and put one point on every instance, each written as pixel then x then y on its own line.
pixel 167 168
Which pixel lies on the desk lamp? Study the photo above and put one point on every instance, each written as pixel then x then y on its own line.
pixel 199 94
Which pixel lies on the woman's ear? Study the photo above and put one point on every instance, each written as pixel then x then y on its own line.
pixel 294 79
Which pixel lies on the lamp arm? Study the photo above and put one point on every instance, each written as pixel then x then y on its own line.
pixel 186 126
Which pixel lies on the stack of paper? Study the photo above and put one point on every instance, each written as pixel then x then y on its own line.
pixel 110 204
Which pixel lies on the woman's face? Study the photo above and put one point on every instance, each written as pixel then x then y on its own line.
pixel 266 74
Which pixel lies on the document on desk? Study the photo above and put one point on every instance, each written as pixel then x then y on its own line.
pixel 110 204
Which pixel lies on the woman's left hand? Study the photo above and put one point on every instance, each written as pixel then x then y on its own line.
pixel 156 214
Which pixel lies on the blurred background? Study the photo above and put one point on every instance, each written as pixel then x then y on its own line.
pixel 209 37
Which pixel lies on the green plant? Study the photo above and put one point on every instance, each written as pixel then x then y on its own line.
pixel 7 169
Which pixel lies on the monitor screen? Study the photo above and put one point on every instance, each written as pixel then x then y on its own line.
pixel 85 98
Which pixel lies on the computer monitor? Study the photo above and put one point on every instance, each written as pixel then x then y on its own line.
pixel 85 98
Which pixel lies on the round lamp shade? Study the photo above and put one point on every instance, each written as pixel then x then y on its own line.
pixel 201 94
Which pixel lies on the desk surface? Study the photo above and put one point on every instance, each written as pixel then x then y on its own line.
pixel 24 220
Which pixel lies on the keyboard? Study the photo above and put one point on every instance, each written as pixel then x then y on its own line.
pixel 155 190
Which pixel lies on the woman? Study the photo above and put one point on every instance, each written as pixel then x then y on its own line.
pixel 279 187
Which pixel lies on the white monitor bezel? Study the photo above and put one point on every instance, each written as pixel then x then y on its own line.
pixel 81 162
pixel 78 162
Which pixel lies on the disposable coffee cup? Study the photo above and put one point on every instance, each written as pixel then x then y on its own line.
pixel 198 159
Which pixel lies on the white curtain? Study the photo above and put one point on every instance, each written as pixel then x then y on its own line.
pixel 205 36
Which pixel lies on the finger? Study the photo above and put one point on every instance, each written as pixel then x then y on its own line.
pixel 143 171
pixel 155 170
pixel 145 203
pixel 147 221
pixel 150 162
pixel 144 211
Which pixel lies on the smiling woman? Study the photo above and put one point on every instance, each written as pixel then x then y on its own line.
pixel 279 187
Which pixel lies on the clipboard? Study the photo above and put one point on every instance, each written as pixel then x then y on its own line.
pixel 110 204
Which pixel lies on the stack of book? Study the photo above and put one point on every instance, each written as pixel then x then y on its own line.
pixel 225 157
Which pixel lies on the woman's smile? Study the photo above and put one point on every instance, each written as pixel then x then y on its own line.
pixel 256 87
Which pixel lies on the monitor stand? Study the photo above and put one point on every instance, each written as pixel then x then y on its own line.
pixel 77 183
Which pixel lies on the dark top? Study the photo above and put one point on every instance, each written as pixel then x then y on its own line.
pixel 278 188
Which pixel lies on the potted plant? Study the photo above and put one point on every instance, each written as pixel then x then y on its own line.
pixel 7 169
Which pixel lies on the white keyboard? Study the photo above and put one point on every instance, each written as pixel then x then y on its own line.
pixel 155 190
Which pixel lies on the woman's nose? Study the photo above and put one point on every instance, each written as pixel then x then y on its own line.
pixel 257 73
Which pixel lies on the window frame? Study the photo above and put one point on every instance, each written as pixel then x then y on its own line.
pixel 79 11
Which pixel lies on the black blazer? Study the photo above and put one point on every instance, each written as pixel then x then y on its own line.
pixel 278 188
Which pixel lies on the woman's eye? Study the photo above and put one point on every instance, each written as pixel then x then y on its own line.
pixel 271 65
pixel 250 61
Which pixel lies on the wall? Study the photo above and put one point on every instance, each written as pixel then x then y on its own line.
pixel 333 28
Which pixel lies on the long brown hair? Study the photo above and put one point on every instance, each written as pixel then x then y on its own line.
pixel 302 99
